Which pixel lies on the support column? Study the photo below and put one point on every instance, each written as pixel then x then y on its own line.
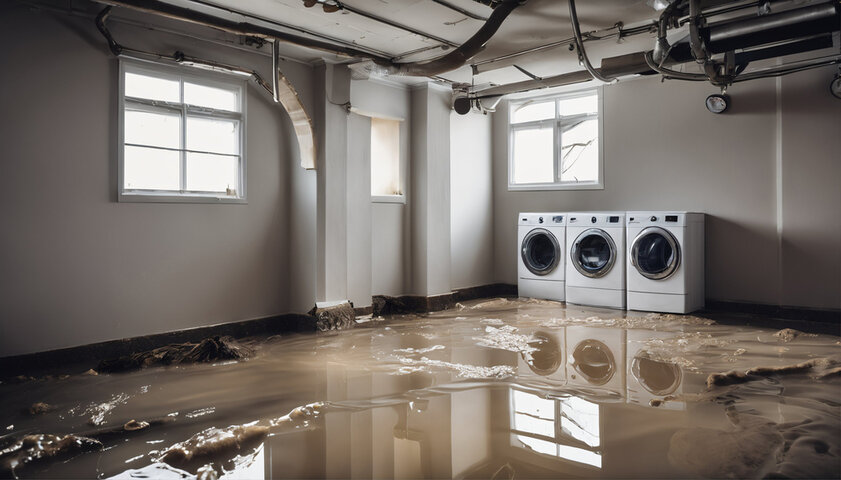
pixel 332 94
pixel 430 200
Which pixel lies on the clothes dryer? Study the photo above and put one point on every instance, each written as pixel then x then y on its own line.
pixel 541 239
pixel 665 262
pixel 595 272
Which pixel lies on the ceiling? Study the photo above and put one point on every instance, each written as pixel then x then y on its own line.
pixel 536 23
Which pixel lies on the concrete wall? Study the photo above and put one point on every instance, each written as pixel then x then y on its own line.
pixel 766 173
pixel 471 200
pixel 76 266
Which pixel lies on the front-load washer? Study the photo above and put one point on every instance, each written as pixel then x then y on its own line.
pixel 650 377
pixel 596 358
pixel 595 272
pixel 665 261
pixel 545 361
pixel 541 240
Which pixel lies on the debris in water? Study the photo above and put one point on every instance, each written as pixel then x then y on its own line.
pixel 91 373
pixel 133 425
pixel 506 338
pixel 336 317
pixel 40 449
pixel 213 445
pixel 208 350
pixel 734 377
pixel 40 408
pixel 788 334
pixel 200 412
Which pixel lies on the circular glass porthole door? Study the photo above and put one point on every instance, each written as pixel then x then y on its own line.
pixel 659 378
pixel 547 355
pixel 655 253
pixel 593 253
pixel 540 251
pixel 594 362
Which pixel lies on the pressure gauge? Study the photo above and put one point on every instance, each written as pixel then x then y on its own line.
pixel 835 86
pixel 718 103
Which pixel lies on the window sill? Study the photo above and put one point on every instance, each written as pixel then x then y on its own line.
pixel 554 186
pixel 145 197
pixel 388 199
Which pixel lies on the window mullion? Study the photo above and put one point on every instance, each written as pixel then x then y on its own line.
pixel 557 150
pixel 183 166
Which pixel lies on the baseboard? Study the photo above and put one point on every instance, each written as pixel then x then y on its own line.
pixel 88 356
pixel 391 305
pixel 774 311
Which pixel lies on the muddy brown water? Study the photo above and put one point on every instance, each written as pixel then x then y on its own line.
pixel 492 389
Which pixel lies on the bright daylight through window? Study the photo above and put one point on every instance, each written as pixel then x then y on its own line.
pixel 555 142
pixel 385 159
pixel 182 135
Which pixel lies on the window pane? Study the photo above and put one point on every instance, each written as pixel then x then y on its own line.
pixel 533 155
pixel 385 157
pixel 529 112
pixel 529 424
pixel 153 88
pixel 218 98
pixel 212 173
pixel 156 129
pixel 213 135
pixel 580 151
pixel 151 169
pixel 578 105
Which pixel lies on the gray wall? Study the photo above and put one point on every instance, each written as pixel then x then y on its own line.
pixel 766 173
pixel 471 197
pixel 76 266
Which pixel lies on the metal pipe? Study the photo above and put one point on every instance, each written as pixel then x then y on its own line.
pixel 377 18
pixel 669 16
pixel 527 85
pixel 668 73
pixel 460 55
pixel 158 7
pixel 759 30
pixel 291 27
pixel 275 70
pixel 576 30
pixel 460 10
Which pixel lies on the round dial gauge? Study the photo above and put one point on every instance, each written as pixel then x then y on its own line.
pixel 718 103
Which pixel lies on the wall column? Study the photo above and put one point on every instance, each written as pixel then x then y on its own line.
pixel 430 202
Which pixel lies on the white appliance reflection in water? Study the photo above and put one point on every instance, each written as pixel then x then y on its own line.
pixel 567 428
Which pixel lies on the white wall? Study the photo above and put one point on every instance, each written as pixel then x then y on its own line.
pixel 389 225
pixel 664 151
pixel 471 200
pixel 76 266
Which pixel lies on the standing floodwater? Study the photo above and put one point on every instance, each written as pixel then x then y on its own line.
pixel 492 389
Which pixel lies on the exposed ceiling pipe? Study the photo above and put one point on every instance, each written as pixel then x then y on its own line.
pixel 460 10
pixel 460 55
pixel 582 54
pixel 157 7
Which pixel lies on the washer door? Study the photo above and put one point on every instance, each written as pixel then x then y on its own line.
pixel 593 253
pixel 540 251
pixel 655 253
pixel 594 361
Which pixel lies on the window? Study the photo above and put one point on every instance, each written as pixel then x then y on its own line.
pixel 385 160
pixel 568 428
pixel 182 135
pixel 555 142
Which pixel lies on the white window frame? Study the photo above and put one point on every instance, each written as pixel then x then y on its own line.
pixel 554 124
pixel 180 73
pixel 399 197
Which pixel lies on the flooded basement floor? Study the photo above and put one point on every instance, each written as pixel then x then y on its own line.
pixel 498 389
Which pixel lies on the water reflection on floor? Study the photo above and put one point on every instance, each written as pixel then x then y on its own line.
pixel 493 389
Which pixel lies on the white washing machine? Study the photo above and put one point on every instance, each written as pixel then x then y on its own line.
pixel 650 378
pixel 665 261
pixel 595 272
pixel 547 363
pixel 540 257
pixel 596 358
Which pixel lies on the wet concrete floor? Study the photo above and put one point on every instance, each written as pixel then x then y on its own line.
pixel 492 389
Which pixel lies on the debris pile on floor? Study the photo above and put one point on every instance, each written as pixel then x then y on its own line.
pixel 335 317
pixel 210 349
pixel 819 368
pixel 214 445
